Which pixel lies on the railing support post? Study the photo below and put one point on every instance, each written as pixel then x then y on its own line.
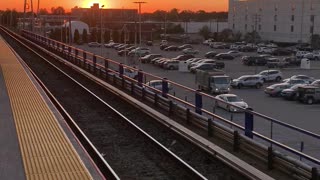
pixel 210 129
pixel 121 70
pixel 236 141
pixel 270 158
pixel 314 174
pixel 140 77
pixel 84 59
pixel 94 59
pixel 248 123
pixel 198 102
pixel 165 88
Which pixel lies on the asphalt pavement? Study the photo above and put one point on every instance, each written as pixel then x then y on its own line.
pixel 292 112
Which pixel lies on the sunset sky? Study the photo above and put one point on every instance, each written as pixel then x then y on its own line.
pixel 152 5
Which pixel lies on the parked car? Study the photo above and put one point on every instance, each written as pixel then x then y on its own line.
pixel 192 60
pixel 302 77
pixel 210 54
pixel 94 44
pixel 291 93
pixel 139 51
pixel 208 42
pixel 276 89
pixel 185 46
pixel 171 65
pixel 282 52
pixel 183 57
pixel 204 67
pixel 224 56
pixel 149 57
pixel 248 49
pixel 149 43
pixel 123 52
pixel 190 51
pixel 315 83
pixel 265 50
pixel 110 44
pixel 248 81
pixel 296 81
pixel 309 94
pixel 171 48
pixel 152 61
pixel 300 54
pixel 231 99
pixel 312 56
pixel 276 63
pixel 163 46
pixel 164 42
pixel 271 75
pixel 254 61
pixel 234 53
pixel 201 61
pixel 293 61
pixel 157 84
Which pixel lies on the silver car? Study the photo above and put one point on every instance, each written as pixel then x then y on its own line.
pixel 248 81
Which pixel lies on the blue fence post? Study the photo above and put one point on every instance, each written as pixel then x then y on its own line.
pixel 165 88
pixel 140 77
pixel 121 69
pixel 198 102
pixel 248 123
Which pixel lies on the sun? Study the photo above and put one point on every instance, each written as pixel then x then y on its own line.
pixel 89 3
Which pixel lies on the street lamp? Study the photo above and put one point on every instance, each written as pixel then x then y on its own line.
pixel 139 2
pixel 101 29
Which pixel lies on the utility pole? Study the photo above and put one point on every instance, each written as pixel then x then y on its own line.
pixel 139 2
pixel 101 30
pixel 255 21
pixel 302 16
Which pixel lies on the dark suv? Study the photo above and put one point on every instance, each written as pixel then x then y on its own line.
pixel 254 61
pixel 309 94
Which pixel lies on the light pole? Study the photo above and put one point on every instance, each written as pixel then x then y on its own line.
pixel 139 2
pixel 101 30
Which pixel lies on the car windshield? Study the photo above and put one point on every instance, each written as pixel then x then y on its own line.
pixel 295 87
pixel 234 99
pixel 242 77
pixel 221 80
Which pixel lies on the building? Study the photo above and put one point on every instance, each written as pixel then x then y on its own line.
pixel 290 21
pixel 96 14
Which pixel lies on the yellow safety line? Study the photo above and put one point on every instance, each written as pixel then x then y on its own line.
pixel 46 151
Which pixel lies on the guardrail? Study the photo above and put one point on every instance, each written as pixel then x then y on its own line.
pixel 265 148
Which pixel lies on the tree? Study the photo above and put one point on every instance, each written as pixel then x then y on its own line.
pixel 43 11
pixel 57 10
pixel 76 36
pixel 237 36
pixel 85 36
pixel 225 35
pixel 175 29
pixel 205 32
pixel 315 41
pixel 252 37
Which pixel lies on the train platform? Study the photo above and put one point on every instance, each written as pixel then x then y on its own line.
pixel 36 142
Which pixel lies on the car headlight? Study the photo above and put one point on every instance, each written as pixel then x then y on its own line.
pixel 217 89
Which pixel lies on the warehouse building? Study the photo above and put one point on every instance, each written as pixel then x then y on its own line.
pixel 290 21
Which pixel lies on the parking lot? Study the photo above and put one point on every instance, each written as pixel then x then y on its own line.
pixel 292 112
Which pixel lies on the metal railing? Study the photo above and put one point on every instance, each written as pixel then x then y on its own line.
pixel 84 58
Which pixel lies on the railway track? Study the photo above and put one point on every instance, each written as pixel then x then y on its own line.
pixel 131 151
